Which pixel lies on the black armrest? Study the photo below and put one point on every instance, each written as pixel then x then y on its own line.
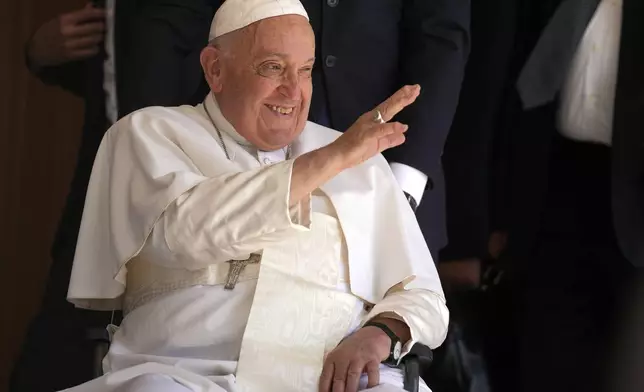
pixel 100 338
pixel 420 357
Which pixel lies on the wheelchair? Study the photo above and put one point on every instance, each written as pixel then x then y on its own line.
pixel 419 358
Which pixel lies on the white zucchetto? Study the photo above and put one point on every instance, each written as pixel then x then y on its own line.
pixel 236 14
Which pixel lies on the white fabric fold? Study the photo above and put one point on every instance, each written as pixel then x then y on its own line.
pixel 423 311
pixel 230 217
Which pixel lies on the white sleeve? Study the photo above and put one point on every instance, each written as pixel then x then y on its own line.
pixel 411 180
pixel 229 217
pixel 424 312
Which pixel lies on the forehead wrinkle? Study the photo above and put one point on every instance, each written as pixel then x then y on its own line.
pixel 256 41
pixel 257 49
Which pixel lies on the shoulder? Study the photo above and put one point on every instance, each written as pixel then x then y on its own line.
pixel 160 114
pixel 169 122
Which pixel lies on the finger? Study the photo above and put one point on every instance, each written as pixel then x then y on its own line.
pixel 81 54
pixel 398 101
pixel 340 370
pixel 84 42
pixel 81 30
pixel 326 377
pixel 390 141
pixel 87 14
pixel 383 130
pixel 353 376
pixel 373 374
pixel 338 384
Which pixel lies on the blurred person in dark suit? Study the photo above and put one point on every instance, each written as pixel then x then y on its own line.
pixel 573 179
pixel 626 361
pixel 479 354
pixel 364 49
pixel 69 51
pixel 87 52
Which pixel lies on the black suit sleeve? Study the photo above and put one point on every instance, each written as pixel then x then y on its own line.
pixel 159 62
pixel 434 48
pixel 69 76
pixel 473 178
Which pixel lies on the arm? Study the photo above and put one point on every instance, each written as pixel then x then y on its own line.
pixel 434 49
pixel 468 158
pixel 414 315
pixel 233 215
pixel 69 76
pixel 230 216
pixel 55 53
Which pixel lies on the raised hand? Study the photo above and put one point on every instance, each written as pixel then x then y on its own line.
pixel 368 137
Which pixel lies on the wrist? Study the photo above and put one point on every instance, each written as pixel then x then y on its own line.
pixel 35 49
pixel 332 158
pixel 398 327
pixel 382 340
pixel 389 343
pixel 33 62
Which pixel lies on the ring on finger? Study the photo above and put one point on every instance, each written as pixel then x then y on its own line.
pixel 377 117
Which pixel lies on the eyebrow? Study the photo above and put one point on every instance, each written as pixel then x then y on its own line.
pixel 282 55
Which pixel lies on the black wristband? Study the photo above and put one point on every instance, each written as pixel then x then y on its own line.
pixel 396 345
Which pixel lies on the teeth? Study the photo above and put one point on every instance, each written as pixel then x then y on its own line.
pixel 281 110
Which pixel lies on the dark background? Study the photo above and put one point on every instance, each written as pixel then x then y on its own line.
pixel 39 134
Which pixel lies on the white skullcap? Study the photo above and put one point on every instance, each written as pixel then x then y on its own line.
pixel 236 14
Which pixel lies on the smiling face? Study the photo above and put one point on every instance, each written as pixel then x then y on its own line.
pixel 261 78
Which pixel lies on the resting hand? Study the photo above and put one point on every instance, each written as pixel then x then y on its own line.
pixel 359 353
pixel 68 37
pixel 366 137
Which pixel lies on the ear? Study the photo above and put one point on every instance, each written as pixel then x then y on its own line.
pixel 210 59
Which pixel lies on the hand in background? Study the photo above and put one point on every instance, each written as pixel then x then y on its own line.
pixel 460 274
pixel 466 273
pixel 497 243
pixel 68 37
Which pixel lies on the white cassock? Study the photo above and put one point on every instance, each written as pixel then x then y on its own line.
pixel 165 212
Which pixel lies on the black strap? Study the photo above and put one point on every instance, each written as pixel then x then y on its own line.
pixel 411 200
pixel 385 329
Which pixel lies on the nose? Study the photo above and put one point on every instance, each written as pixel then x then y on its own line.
pixel 290 86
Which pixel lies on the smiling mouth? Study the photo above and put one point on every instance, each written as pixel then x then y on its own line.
pixel 285 111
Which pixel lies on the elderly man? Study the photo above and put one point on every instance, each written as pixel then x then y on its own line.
pixel 251 250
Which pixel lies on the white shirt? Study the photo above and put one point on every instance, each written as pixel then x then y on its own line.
pixel 411 180
pixel 588 95
pixel 109 72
